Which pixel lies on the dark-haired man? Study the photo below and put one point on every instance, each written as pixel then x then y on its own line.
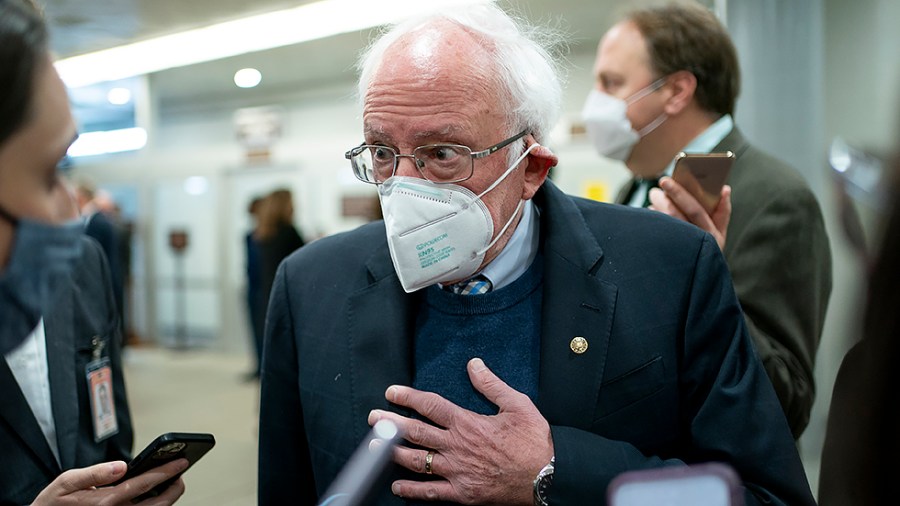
pixel 666 81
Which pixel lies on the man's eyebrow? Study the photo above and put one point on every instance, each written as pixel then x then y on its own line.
pixel 446 132
pixel 370 132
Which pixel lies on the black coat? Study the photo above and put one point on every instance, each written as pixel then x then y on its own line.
pixel 670 375
pixel 83 308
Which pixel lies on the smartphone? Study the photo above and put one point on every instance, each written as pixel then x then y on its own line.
pixel 703 175
pixel 166 448
pixel 712 484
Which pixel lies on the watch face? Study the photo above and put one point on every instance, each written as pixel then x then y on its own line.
pixel 543 488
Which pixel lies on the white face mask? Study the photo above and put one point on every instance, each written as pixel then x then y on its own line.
pixel 608 125
pixel 438 232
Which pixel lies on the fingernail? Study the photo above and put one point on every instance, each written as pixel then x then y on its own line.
pixel 665 183
pixel 118 467
pixel 374 416
pixel 375 443
pixel 477 364
pixel 395 489
pixel 390 393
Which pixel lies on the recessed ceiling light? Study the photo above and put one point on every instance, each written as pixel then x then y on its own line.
pixel 119 96
pixel 247 78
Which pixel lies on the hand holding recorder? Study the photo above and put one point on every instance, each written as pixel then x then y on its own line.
pixel 697 193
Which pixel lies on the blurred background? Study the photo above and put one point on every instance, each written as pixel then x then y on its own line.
pixel 199 107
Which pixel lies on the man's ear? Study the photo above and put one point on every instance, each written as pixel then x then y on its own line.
pixel 539 161
pixel 683 85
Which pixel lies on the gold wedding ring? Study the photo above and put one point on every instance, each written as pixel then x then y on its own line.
pixel 428 458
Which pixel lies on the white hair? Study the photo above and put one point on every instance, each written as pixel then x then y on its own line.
pixel 520 53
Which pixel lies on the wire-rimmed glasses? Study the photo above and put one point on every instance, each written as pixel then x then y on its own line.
pixel 438 163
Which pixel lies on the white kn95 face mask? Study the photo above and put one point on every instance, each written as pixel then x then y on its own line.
pixel 438 232
pixel 608 126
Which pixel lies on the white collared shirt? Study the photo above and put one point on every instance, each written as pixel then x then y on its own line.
pixel 703 143
pixel 28 363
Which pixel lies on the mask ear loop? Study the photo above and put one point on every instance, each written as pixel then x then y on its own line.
pixel 518 207
pixel 502 230
pixel 646 90
pixel 650 88
pixel 653 124
pixel 511 168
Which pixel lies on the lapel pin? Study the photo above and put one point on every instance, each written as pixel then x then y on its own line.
pixel 579 345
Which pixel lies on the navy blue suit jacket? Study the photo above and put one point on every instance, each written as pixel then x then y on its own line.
pixel 83 308
pixel 670 375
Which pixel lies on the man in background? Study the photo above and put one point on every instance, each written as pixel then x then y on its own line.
pixel 667 80
pixel 102 229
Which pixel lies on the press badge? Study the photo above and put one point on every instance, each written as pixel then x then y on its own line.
pixel 100 391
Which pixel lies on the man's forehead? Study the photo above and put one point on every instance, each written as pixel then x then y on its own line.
pixel 622 47
pixel 433 48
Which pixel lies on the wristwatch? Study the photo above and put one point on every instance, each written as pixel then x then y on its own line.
pixel 542 484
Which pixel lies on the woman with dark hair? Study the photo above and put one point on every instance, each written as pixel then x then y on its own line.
pixel 58 322
pixel 277 238
pixel 859 458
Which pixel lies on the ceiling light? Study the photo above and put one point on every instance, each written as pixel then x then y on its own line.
pixel 119 96
pixel 247 78
pixel 255 33
pixel 110 141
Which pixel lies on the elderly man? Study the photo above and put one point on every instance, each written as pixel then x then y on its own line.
pixel 531 345
pixel 667 81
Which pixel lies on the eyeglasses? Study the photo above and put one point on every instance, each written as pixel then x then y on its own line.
pixel 438 163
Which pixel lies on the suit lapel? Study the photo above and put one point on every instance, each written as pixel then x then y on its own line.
pixel 380 328
pixel 576 303
pixel 14 409
pixel 61 355
pixel 625 192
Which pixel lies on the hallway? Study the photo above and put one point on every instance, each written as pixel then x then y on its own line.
pixel 199 391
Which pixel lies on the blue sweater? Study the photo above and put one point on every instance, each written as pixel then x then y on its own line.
pixel 502 327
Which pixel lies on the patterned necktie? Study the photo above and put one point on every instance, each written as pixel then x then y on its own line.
pixel 472 286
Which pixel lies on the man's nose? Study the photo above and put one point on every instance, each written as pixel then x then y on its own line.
pixel 406 166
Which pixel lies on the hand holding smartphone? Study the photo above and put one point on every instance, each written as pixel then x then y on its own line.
pixel 703 175
pixel 167 448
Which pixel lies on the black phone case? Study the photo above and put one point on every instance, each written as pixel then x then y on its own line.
pixel 166 448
